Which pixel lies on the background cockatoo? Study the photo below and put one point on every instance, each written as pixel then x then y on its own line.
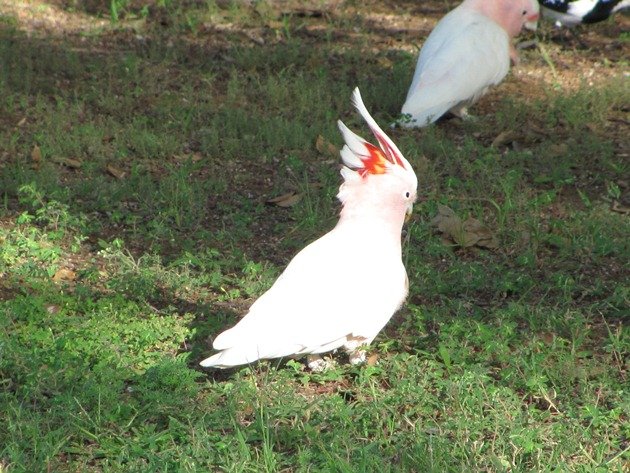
pixel 340 290
pixel 468 51
pixel 573 12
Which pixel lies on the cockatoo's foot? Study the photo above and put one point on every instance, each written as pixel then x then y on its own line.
pixel 355 347
pixel 318 364
pixel 462 113
pixel 357 357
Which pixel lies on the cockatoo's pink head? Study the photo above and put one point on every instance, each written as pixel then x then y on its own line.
pixel 511 15
pixel 377 182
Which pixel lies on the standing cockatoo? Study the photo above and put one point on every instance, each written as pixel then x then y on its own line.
pixel 340 290
pixel 468 51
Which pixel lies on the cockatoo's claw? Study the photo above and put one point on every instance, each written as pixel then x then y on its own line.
pixel 355 348
pixel 461 112
pixel 357 357
pixel 318 364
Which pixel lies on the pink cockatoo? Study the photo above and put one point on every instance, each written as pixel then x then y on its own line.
pixel 468 51
pixel 340 290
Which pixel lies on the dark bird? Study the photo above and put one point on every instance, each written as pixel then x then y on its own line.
pixel 574 12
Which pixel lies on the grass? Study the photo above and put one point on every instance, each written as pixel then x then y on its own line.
pixel 117 268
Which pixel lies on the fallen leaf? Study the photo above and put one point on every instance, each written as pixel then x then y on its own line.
pixel 68 162
pixel 446 221
pixel 36 157
pixel 64 274
pixel 485 238
pixel 286 200
pixel 372 359
pixel 256 38
pixel 465 234
pixel 275 25
pixel 114 171
pixel 558 149
pixel 620 207
pixel 421 164
pixel 324 146
pixel 21 122
pixel 503 138
pixel 547 337
pixel 592 127
pixel 194 157
pixel 384 63
pixel 52 309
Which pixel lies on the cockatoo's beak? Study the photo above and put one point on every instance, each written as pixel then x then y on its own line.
pixel 532 22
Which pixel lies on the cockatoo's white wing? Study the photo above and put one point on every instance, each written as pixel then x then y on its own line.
pixel 464 55
pixel 325 295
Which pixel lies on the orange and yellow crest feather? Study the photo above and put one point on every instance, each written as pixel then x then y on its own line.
pixel 374 163
pixel 362 156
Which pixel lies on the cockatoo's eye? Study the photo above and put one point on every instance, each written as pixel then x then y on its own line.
pixel 407 194
pixel 524 12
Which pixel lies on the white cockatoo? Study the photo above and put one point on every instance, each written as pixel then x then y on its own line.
pixel 340 290
pixel 468 51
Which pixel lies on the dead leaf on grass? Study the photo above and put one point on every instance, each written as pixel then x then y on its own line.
pixel 256 38
pixel 324 146
pixel 547 337
pixel 36 157
pixel 64 274
pixel 194 157
pixel 558 149
pixel 52 309
pixel 421 165
pixel 485 238
pixel 21 122
pixel 286 200
pixel 68 162
pixel 620 207
pixel 503 138
pixel 592 127
pixel 372 359
pixel 465 234
pixel 114 171
pixel 384 63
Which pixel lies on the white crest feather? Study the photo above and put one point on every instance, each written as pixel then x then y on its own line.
pixel 353 149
